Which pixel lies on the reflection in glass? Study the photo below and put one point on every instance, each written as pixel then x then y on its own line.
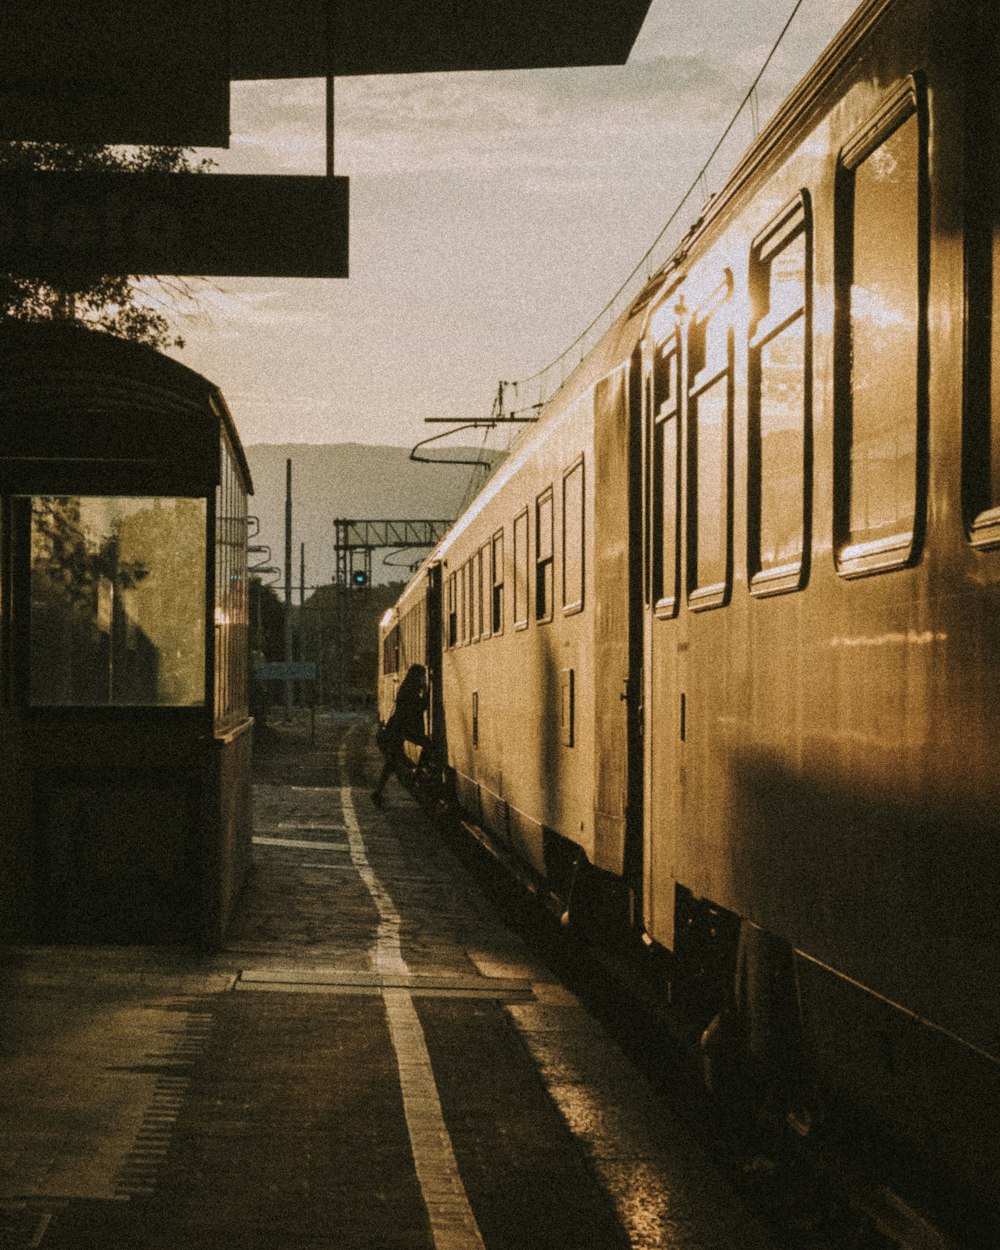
pixel 521 569
pixel 665 470
pixel 778 399
pixel 498 582
pixel 543 557
pixel 666 400
pixel 884 325
pixel 573 536
pixel 711 419
pixel 782 460
pixel 117 601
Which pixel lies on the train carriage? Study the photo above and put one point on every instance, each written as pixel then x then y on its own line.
pixel 718 656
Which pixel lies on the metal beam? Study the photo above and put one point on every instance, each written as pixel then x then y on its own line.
pixel 371 535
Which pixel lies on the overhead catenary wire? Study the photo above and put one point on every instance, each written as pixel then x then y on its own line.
pixel 645 266
pixel 700 179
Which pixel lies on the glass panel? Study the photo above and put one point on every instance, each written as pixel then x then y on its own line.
pixel 666 395
pixel 994 499
pixel 782 447
pixel 787 280
pixel 665 503
pixel 573 536
pixel 478 595
pixel 543 557
pixel 711 420
pixel 884 324
pixel 485 590
pixel 498 582
pixel 521 569
pixel 117 601
pixel 544 547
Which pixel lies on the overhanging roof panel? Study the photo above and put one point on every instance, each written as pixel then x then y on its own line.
pixel 288 38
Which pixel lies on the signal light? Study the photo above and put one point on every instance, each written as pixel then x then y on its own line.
pixel 359 578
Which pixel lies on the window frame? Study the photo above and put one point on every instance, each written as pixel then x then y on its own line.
pixel 497 584
pixel 475 595
pixel 665 605
pixel 485 599
pixel 220 669
pixel 572 606
pixel 698 382
pixel 545 567
pixel 854 558
pixel 522 567
pixel 794 221
pixel 452 611
pixel 981 415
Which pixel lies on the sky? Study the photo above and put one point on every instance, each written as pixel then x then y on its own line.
pixel 492 215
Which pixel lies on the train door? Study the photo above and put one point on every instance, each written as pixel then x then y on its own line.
pixel 618 622
pixel 690 454
pixel 433 624
pixel 665 622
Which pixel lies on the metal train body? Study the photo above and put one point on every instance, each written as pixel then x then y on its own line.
pixel 764 716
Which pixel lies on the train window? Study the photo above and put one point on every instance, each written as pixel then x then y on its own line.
pixel 452 611
pixel 463 611
pixel 710 347
pixel 390 651
pixel 573 535
pixel 466 582
pixel 543 556
pixel 497 599
pixel 666 477
pixel 521 570
pixel 117 601
pixel 779 453
pixel 981 430
pixel 476 596
pixel 881 360
pixel 483 568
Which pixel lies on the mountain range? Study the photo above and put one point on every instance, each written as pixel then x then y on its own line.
pixel 352 481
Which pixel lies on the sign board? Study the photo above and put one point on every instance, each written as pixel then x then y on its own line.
pixel 236 225
pixel 285 670
pixel 115 71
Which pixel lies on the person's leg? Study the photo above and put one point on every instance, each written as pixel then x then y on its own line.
pixel 383 778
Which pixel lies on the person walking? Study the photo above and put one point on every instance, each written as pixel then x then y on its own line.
pixel 406 724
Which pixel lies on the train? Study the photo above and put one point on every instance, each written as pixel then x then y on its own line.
pixel 125 732
pixel 713 656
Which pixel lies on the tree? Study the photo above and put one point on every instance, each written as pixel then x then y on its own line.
pixel 122 304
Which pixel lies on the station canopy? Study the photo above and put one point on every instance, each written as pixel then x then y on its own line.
pixel 158 71
pixel 287 38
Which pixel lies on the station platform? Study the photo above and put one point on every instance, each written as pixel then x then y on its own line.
pixel 372 1062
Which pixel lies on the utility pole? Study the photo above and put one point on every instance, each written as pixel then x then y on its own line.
pixel 288 585
pixel 302 612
